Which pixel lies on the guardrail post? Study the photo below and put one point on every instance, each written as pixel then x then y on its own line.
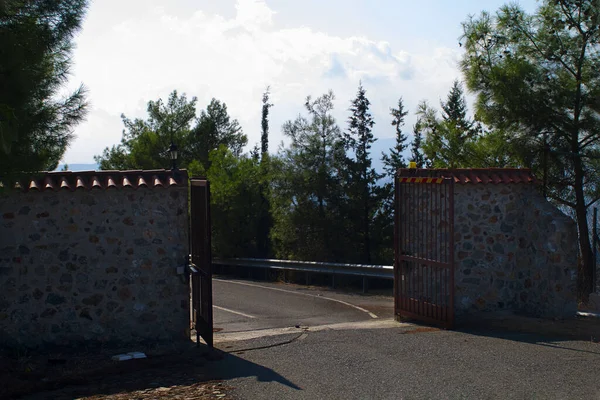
pixel 333 281
pixel 365 284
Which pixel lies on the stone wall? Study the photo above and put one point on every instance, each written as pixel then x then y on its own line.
pixel 93 266
pixel 513 251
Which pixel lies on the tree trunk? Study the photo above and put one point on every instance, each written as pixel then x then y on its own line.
pixel 586 262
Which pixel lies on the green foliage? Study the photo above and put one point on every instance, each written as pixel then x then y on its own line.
pixel 36 43
pixel 416 147
pixel 454 110
pixel 264 138
pixel 383 220
pixel 448 141
pixel 455 141
pixel 361 187
pixel 537 79
pixel 306 186
pixel 235 199
pixel 215 128
pixel 395 160
pixel 325 202
pixel 145 143
pixel 264 211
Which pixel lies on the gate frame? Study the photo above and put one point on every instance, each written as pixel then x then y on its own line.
pixel 423 176
pixel 200 262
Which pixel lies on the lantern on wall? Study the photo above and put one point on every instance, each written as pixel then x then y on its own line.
pixel 173 155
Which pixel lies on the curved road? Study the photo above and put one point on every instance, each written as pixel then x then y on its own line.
pixel 241 306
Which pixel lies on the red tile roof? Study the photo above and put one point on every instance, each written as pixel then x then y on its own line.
pixel 476 175
pixel 90 180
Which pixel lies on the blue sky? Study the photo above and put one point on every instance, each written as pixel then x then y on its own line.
pixel 233 49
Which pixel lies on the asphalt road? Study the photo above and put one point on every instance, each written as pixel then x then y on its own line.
pixel 242 306
pixel 394 364
pixel 341 352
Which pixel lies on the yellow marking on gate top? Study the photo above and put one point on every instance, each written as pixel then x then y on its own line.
pixel 422 180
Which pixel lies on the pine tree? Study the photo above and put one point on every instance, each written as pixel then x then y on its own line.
pixel 416 152
pixel 215 127
pixel 36 43
pixel 306 187
pixel 395 160
pixel 448 141
pixel 255 152
pixel 264 139
pixel 383 225
pixel 454 110
pixel 362 183
pixel 265 219
pixel 144 142
pixel 535 76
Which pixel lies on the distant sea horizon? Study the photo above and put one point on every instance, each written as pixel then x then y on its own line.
pixel 380 145
pixel 78 167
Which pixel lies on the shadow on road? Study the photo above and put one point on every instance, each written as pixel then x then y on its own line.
pixel 231 366
pixel 96 375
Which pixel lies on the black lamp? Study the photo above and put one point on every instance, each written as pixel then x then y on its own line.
pixel 173 155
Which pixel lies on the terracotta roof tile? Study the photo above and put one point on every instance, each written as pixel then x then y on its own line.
pixel 79 184
pixel 127 182
pixel 48 183
pixel 110 183
pixel 96 183
pixel 64 184
pixel 156 181
pixel 103 180
pixel 141 181
pixel 476 175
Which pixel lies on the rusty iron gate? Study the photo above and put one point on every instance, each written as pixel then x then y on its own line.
pixel 424 250
pixel 201 260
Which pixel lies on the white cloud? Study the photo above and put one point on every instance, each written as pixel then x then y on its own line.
pixel 146 55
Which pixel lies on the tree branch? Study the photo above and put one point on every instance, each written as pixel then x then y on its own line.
pixel 535 45
pixel 592 202
pixel 589 139
pixel 570 17
pixel 562 201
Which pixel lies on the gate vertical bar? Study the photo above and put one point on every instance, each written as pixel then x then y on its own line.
pixel 437 246
pixel 411 243
pixel 208 263
pixel 432 301
pixel 419 218
pixel 397 238
pixel 450 242
pixel 595 244
pixel 201 259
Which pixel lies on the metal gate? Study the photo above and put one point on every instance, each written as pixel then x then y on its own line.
pixel 201 260
pixel 424 250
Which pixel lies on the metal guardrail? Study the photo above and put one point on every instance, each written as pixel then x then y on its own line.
pixel 365 271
